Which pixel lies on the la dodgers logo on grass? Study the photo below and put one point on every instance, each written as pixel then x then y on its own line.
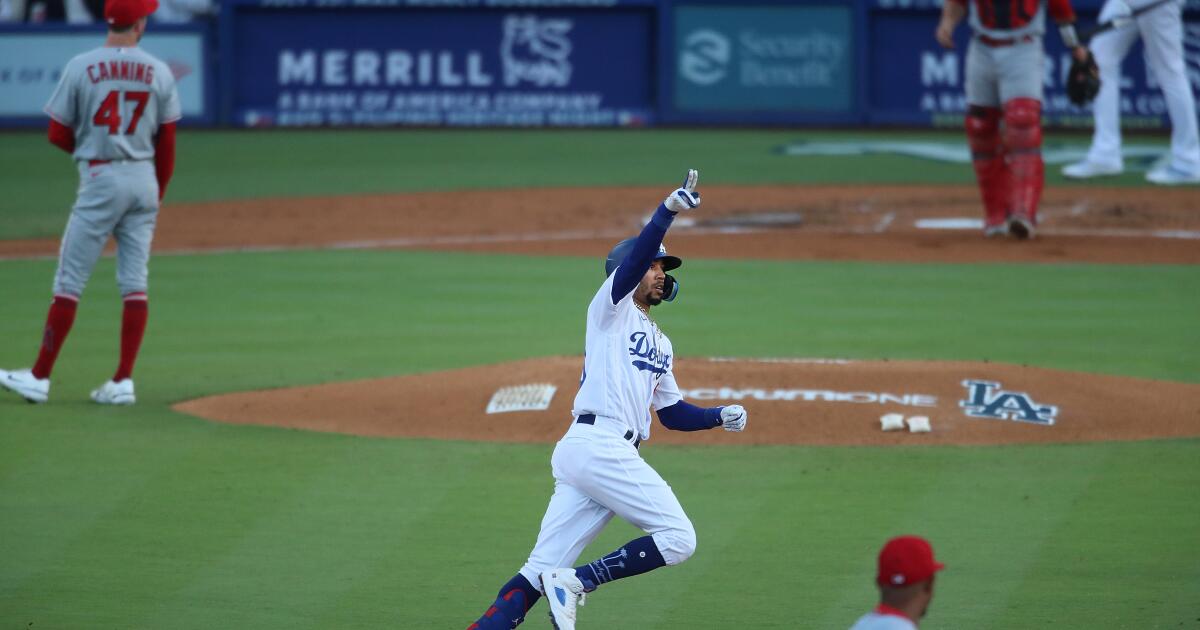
pixel 985 399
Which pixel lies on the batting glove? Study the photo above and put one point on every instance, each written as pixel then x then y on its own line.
pixel 733 418
pixel 686 196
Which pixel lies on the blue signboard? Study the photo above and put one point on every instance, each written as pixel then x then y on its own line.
pixel 914 81
pixel 443 68
pixel 32 59
pixel 764 59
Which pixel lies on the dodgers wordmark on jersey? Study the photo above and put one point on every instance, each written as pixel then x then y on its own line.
pixel 627 363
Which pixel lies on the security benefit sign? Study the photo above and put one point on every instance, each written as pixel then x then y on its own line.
pixel 770 58
pixel 453 68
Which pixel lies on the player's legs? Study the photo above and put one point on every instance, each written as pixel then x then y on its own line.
pixel 982 124
pixel 134 233
pixel 615 476
pixel 1021 69
pixel 1162 36
pixel 572 520
pixel 1109 48
pixel 96 210
pixel 991 170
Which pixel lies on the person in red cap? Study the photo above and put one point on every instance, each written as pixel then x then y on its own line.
pixel 905 579
pixel 114 111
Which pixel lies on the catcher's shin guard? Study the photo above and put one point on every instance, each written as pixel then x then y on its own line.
pixel 987 156
pixel 1023 143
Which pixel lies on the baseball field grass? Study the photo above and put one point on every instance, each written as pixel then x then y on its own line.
pixel 144 518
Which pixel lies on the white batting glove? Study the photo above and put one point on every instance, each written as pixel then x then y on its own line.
pixel 686 196
pixel 733 418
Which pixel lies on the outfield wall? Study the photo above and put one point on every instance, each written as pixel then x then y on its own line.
pixel 568 63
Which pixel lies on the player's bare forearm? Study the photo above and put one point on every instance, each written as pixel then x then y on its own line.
pixel 952 13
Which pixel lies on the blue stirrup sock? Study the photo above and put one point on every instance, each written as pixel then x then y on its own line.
pixel 634 558
pixel 508 611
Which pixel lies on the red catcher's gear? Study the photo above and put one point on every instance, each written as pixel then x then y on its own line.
pixel 1023 144
pixel 987 156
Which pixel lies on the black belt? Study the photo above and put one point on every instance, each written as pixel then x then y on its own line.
pixel 590 418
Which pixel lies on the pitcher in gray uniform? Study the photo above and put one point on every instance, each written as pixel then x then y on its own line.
pixel 114 111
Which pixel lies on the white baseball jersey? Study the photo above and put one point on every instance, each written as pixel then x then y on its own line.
pixel 115 99
pixel 627 364
pixel 880 621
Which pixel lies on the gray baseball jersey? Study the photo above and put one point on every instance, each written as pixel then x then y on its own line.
pixel 114 100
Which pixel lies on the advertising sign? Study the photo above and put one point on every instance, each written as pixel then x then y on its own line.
pixel 768 58
pixel 443 68
pixel 31 64
pixel 914 81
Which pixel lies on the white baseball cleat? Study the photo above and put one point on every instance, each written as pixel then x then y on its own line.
pixel 23 382
pixel 115 393
pixel 563 591
pixel 998 229
pixel 1088 169
pixel 1172 176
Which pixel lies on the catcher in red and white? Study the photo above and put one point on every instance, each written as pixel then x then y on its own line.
pixel 1005 66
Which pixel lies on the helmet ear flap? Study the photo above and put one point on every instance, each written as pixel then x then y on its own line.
pixel 670 288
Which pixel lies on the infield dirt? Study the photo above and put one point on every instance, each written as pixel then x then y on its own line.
pixel 1094 225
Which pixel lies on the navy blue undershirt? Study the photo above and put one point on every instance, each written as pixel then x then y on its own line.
pixel 684 416
pixel 630 272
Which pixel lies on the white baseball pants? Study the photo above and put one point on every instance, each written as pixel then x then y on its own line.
pixel 599 474
pixel 1161 30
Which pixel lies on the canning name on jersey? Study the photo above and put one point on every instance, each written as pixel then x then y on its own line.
pixel 115 99
pixel 627 363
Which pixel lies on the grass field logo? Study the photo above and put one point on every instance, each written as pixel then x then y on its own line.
pixel 985 399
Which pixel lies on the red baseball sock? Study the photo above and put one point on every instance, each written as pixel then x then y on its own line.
pixel 58 324
pixel 133 326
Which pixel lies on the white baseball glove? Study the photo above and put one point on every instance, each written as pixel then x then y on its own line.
pixel 686 196
pixel 733 418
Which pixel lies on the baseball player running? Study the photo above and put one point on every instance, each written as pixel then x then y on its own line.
pixel 598 472
pixel 1004 102
pixel 1160 25
pixel 114 110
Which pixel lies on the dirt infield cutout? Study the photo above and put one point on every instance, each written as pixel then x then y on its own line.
pixel 814 402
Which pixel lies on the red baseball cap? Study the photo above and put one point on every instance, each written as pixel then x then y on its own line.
pixel 906 560
pixel 126 12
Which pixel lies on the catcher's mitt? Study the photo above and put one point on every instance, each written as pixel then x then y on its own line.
pixel 1083 80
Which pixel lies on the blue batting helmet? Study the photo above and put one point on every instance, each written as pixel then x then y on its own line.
pixel 622 249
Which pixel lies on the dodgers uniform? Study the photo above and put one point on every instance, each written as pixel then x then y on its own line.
pixel 598 470
pixel 1161 31
pixel 114 111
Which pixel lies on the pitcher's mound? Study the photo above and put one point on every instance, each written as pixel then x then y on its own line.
pixel 791 401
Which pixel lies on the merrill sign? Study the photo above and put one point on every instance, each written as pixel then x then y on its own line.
pixel 533 51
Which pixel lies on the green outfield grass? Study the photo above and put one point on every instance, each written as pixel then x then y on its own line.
pixel 40 180
pixel 143 518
